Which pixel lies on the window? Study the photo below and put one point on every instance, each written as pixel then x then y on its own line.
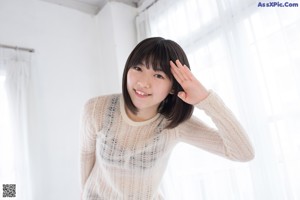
pixel 250 56
pixel 6 138
pixel 14 86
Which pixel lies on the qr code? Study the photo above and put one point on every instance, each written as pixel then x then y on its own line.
pixel 9 190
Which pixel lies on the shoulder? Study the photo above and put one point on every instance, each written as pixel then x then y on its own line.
pixel 98 103
pixel 95 108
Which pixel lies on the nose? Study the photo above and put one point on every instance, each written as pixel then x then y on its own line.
pixel 144 83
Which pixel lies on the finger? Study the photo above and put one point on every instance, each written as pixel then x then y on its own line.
pixel 185 71
pixel 180 71
pixel 176 72
pixel 188 73
pixel 182 95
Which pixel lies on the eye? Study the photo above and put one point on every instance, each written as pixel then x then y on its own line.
pixel 159 76
pixel 137 68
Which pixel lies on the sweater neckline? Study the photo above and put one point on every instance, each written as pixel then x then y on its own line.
pixel 130 121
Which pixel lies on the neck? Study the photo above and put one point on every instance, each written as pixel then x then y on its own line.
pixel 141 115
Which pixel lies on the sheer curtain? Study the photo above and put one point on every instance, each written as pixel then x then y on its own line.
pixel 14 83
pixel 250 56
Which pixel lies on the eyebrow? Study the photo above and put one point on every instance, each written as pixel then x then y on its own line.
pixel 157 68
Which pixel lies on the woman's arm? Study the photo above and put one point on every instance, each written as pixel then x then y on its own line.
pixel 228 140
pixel 87 140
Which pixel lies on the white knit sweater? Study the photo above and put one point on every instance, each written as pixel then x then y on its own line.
pixel 125 160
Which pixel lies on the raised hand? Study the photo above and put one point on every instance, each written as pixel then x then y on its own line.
pixel 193 91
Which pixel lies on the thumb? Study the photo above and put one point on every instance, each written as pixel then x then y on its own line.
pixel 182 95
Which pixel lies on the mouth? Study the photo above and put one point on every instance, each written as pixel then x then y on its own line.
pixel 141 93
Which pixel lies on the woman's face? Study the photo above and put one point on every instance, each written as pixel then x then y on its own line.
pixel 147 88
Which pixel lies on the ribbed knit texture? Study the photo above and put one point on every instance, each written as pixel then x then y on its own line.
pixel 125 160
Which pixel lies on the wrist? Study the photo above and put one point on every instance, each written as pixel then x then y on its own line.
pixel 204 94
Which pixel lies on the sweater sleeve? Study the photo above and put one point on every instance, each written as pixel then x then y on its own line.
pixel 88 134
pixel 228 140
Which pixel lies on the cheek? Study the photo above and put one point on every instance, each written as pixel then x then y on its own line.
pixel 130 78
pixel 164 88
pixel 169 85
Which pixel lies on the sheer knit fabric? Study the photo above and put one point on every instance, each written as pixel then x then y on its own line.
pixel 125 160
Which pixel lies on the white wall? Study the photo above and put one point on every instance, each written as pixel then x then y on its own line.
pixel 117 38
pixel 77 56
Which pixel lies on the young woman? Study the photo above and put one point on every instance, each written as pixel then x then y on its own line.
pixel 126 139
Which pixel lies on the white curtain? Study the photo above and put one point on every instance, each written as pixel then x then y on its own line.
pixel 14 86
pixel 250 55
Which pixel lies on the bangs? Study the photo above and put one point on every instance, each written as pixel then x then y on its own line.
pixel 158 63
pixel 156 55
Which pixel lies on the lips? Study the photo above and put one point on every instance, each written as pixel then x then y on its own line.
pixel 141 93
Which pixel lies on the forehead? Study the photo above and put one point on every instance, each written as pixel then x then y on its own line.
pixel 148 65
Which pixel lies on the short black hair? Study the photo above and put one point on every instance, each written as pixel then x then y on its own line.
pixel 158 52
